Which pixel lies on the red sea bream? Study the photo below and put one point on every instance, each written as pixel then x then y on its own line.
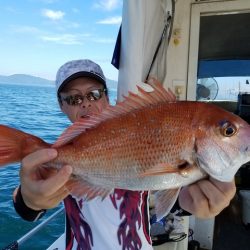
pixel 149 141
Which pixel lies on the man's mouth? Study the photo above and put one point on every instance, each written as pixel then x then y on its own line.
pixel 85 116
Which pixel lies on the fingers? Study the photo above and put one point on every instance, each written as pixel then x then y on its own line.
pixel 189 199
pixel 219 194
pixel 59 196
pixel 56 181
pixel 38 158
pixel 213 200
pixel 43 187
pixel 50 181
pixel 227 188
pixel 44 194
pixel 206 198
pixel 47 202
pixel 30 163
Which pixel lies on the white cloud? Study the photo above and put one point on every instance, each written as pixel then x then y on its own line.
pixel 75 10
pixel 49 1
pixel 65 39
pixel 111 20
pixel 108 4
pixel 52 14
pixel 45 1
pixel 25 29
pixel 73 25
pixel 64 25
pixel 11 9
pixel 74 39
pixel 103 40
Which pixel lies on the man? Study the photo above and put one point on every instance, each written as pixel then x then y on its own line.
pixel 120 221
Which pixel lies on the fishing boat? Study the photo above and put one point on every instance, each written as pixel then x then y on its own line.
pixel 186 44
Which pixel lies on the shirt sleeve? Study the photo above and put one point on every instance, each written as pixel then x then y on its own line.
pixel 24 211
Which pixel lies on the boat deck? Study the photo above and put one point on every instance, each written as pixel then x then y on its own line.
pixel 230 232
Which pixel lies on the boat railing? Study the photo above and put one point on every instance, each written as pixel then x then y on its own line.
pixel 16 244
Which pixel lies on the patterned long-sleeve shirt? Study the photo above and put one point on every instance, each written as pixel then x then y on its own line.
pixel 119 222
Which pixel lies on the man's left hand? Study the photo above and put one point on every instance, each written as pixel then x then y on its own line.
pixel 206 198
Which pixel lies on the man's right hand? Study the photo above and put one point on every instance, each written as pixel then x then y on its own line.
pixel 43 188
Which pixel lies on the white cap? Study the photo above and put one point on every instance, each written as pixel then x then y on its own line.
pixel 77 68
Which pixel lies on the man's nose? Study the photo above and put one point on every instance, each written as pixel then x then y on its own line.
pixel 86 103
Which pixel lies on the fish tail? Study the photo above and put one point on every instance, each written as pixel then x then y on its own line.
pixel 15 145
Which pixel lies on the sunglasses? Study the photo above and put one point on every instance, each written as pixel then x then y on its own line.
pixel 75 100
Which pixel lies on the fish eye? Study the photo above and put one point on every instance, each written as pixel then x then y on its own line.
pixel 228 129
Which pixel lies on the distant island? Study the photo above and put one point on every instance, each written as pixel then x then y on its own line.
pixel 34 80
pixel 25 79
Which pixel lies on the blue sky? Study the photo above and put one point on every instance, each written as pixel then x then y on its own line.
pixel 38 36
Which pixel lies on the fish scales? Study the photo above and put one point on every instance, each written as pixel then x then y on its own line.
pixel 148 142
pixel 137 142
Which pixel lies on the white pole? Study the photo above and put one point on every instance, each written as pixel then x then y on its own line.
pixel 38 227
pixel 14 245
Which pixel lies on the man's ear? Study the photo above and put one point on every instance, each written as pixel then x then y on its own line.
pixel 107 98
pixel 62 107
pixel 60 103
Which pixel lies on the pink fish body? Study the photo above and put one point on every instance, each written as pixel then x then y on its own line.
pixel 148 142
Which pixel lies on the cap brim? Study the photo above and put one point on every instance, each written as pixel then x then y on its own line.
pixel 81 74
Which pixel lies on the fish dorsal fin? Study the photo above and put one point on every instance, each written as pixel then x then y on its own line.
pixel 130 103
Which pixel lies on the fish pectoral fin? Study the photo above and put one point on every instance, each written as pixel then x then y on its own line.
pixel 159 169
pixel 83 189
pixel 164 200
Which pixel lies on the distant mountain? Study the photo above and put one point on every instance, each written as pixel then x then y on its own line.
pixel 24 79
pixel 34 80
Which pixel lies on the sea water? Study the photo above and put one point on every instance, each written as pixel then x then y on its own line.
pixel 32 109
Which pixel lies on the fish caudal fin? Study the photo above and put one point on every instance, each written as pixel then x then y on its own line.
pixel 15 145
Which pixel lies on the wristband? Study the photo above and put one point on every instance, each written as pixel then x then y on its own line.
pixel 24 211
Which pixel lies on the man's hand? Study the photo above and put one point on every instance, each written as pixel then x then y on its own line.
pixel 207 198
pixel 43 188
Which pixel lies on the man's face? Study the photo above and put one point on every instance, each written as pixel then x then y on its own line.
pixel 82 87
